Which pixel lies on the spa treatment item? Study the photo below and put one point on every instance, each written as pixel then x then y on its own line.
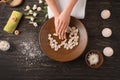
pixel 68 43
pixel 105 14
pixel 4 45
pixel 13 22
pixel 106 32
pixel 94 59
pixel 108 51
pixel 17 32
pixel 32 13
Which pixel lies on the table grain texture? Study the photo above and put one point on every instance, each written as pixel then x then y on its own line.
pixel 15 64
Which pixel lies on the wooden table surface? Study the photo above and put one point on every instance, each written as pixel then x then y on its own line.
pixel 25 60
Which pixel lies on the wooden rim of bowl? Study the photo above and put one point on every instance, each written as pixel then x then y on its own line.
pixel 100 59
pixel 58 56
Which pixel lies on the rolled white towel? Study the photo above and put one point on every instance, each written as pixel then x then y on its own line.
pixel 77 12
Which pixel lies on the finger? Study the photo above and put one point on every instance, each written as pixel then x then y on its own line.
pixel 56 25
pixel 65 30
pixel 62 30
pixel 64 35
pixel 61 35
pixel 60 26
pixel 59 29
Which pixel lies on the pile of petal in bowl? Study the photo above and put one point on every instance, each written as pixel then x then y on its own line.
pixel 67 44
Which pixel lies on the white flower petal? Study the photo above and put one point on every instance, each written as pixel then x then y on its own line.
pixel 32 19
pixel 27 8
pixel 39 9
pixel 34 14
pixel 34 7
pixel 40 1
pixel 35 24
pixel 30 12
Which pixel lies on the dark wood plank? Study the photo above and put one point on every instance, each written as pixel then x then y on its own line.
pixel 15 65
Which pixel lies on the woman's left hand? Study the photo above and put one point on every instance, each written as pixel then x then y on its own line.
pixel 61 24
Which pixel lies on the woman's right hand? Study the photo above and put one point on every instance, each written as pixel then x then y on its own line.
pixel 62 19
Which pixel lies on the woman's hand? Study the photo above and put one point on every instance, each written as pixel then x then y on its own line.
pixel 61 24
pixel 62 19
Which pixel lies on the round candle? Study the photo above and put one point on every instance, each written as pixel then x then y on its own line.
pixel 105 14
pixel 108 51
pixel 4 45
pixel 106 32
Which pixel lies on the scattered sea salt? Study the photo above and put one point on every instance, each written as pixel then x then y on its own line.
pixel 30 49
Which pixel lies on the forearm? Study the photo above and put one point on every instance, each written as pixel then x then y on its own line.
pixel 53 7
pixel 70 6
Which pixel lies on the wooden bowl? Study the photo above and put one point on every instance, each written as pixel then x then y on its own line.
pixel 100 59
pixel 62 55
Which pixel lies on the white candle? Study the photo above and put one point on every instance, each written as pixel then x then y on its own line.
pixel 4 45
pixel 105 14
pixel 108 51
pixel 106 32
